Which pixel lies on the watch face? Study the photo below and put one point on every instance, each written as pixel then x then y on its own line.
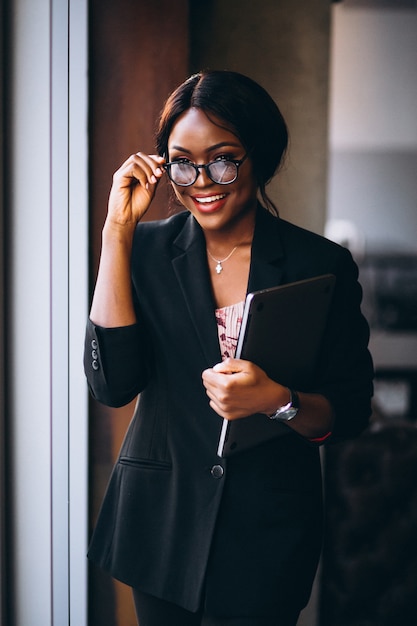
pixel 291 413
pixel 287 415
pixel 290 410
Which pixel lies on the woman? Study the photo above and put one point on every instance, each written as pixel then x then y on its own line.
pixel 202 540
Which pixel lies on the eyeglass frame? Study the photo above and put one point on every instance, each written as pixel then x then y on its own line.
pixel 205 166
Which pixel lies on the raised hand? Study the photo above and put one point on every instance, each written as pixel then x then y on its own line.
pixel 134 186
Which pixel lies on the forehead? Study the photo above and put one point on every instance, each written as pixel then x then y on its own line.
pixel 194 130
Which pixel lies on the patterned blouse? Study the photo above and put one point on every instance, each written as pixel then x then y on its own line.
pixel 229 320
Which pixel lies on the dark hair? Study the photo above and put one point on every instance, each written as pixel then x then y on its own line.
pixel 248 111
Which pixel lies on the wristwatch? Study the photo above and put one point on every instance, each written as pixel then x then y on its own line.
pixel 288 411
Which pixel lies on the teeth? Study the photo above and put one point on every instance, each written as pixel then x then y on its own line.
pixel 211 198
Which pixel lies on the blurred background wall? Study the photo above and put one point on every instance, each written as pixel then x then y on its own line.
pixel 372 208
pixel 373 121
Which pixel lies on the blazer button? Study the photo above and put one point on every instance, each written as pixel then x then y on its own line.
pixel 95 365
pixel 94 354
pixel 217 471
pixel 94 344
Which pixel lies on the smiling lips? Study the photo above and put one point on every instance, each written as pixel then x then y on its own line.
pixel 209 202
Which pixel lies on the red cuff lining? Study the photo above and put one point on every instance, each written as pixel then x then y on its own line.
pixel 321 439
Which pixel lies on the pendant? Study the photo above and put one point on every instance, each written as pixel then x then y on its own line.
pixel 219 267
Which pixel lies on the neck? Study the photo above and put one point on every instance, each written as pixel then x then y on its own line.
pixel 221 242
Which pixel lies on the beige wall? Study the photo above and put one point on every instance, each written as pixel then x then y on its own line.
pixel 284 45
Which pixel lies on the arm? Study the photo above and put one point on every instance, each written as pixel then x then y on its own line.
pixel 341 392
pixel 114 341
pixel 133 189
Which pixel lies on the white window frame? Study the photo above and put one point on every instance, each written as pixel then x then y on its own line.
pixel 47 305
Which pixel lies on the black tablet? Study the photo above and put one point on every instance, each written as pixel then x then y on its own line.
pixel 281 332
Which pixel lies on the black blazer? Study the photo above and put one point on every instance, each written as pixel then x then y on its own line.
pixel 177 521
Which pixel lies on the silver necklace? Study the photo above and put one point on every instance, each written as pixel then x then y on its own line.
pixel 219 266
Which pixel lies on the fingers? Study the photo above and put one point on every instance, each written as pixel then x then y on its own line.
pixel 221 404
pixel 238 388
pixel 230 366
pixel 141 168
pixel 224 385
pixel 133 189
pixel 215 375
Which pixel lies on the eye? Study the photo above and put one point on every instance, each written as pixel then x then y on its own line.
pixel 181 160
pixel 224 157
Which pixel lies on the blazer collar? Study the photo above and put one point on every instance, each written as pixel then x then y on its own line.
pixel 190 266
pixel 267 252
pixel 189 261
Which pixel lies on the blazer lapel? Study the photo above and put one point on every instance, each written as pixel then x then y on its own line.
pixel 190 266
pixel 267 253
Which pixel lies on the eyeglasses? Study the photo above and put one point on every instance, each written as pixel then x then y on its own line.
pixel 222 171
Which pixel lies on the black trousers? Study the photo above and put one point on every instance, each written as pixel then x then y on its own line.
pixel 152 611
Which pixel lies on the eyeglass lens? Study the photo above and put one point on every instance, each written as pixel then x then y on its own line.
pixel 222 172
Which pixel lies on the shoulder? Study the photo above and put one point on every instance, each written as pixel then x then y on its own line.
pixel 298 245
pixel 293 234
pixel 158 236
pixel 164 228
pixel 314 253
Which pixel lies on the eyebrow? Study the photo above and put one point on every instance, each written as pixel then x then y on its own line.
pixel 222 144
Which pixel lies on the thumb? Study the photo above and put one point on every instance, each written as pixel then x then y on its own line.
pixel 228 366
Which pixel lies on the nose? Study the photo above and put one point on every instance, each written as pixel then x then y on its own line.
pixel 203 179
